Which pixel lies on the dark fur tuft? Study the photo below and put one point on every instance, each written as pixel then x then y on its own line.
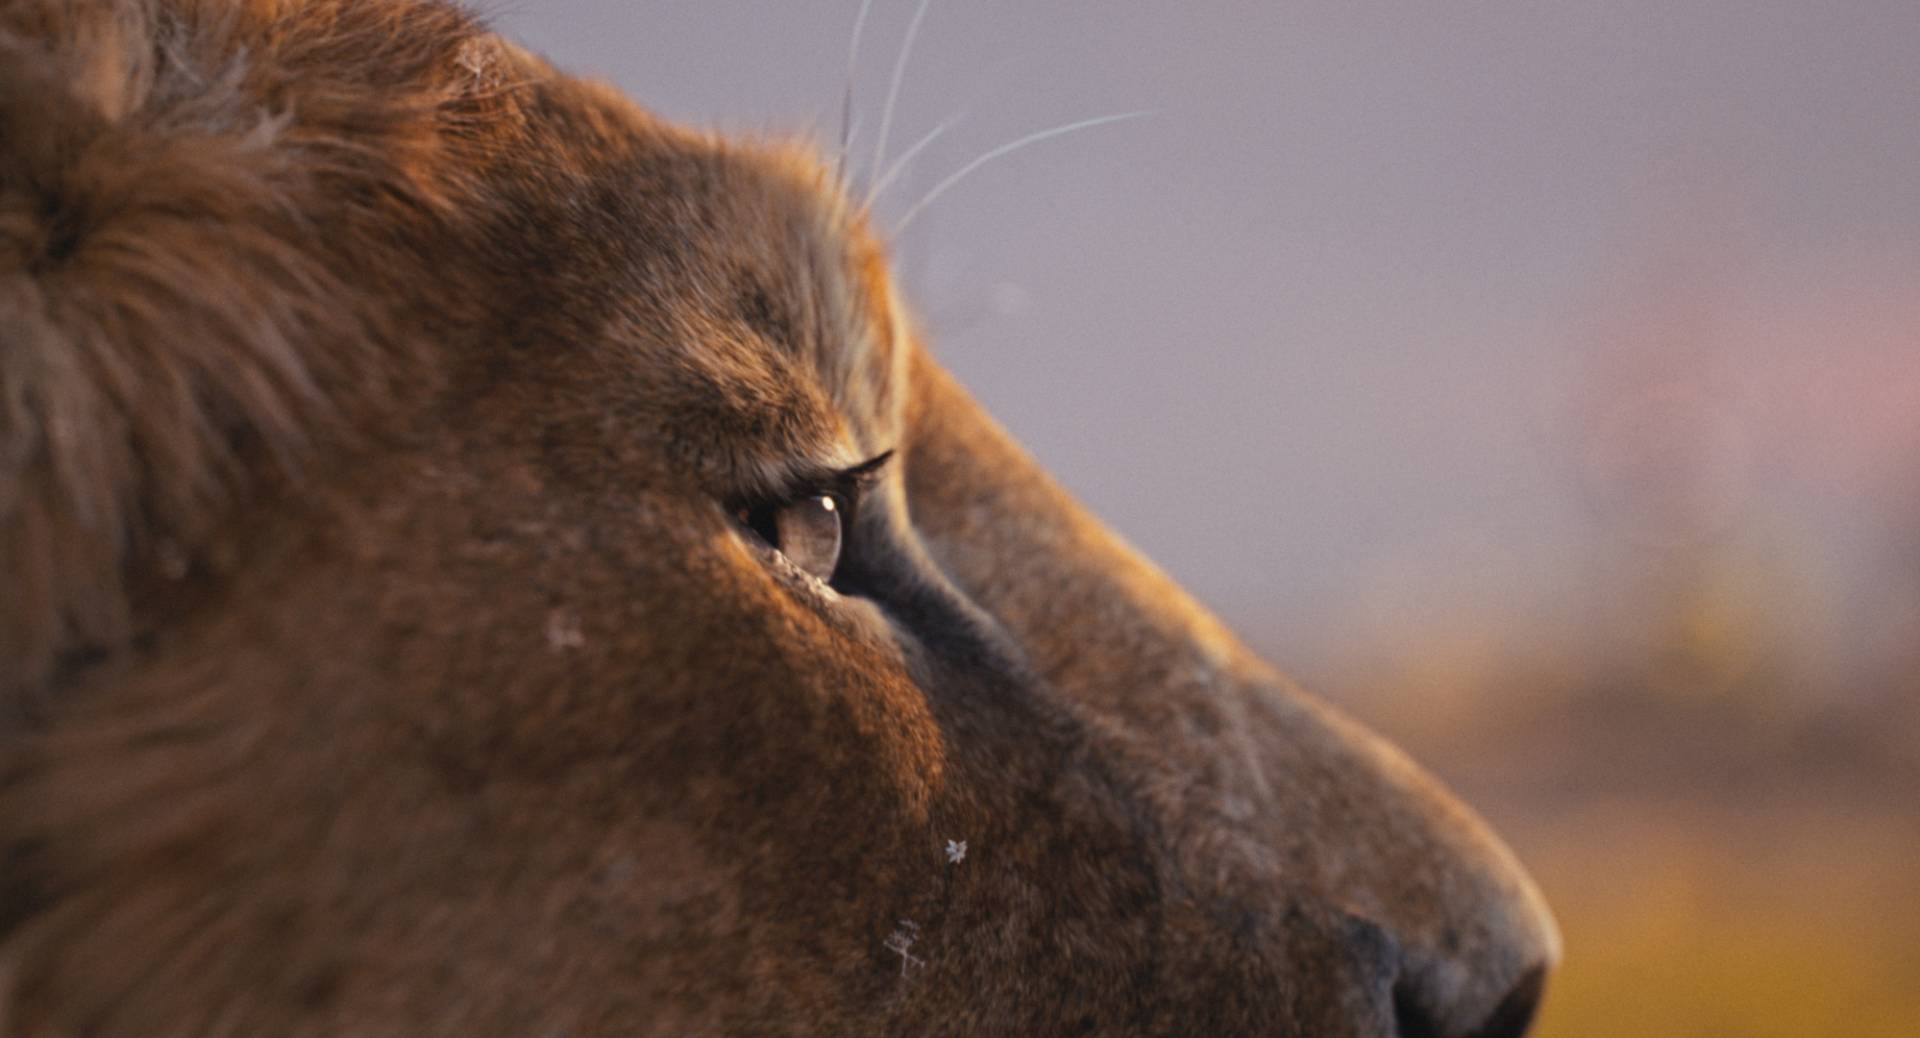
pixel 182 197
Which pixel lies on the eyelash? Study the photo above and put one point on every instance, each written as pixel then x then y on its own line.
pixel 761 517
pixel 847 487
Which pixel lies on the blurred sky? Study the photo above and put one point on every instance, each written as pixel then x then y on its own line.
pixel 1400 322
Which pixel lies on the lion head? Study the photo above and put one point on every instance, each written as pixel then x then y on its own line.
pixel 480 559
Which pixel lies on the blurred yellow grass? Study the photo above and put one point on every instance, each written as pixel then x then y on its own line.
pixel 1726 826
pixel 1632 970
pixel 1678 925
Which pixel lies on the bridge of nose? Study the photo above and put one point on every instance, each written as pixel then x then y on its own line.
pixel 1253 783
pixel 1273 802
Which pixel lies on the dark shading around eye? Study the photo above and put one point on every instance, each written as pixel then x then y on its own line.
pixel 760 519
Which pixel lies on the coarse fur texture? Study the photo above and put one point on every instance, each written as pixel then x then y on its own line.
pixel 383 655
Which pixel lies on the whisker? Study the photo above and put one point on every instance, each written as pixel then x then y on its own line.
pixel 900 164
pixel 859 121
pixel 1032 138
pixel 893 88
pixel 847 125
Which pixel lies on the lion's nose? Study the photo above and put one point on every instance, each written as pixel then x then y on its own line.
pixel 1475 964
pixel 1474 939
pixel 1473 961
pixel 1452 920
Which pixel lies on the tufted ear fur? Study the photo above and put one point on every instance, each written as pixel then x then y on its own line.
pixel 178 231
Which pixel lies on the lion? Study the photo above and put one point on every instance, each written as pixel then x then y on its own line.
pixel 482 559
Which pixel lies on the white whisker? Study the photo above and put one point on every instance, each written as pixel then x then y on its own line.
pixel 893 88
pixel 858 122
pixel 847 125
pixel 900 164
pixel 1032 138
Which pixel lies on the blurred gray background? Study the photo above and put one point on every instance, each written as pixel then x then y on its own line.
pixel 1395 324
pixel 1539 380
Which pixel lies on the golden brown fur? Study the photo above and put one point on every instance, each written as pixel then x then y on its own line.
pixel 382 654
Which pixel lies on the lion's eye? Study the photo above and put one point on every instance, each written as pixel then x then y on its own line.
pixel 811 527
pixel 810 532
pixel 807 531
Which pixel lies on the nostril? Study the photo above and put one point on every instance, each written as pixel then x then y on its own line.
pixel 1409 1019
pixel 1509 1019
